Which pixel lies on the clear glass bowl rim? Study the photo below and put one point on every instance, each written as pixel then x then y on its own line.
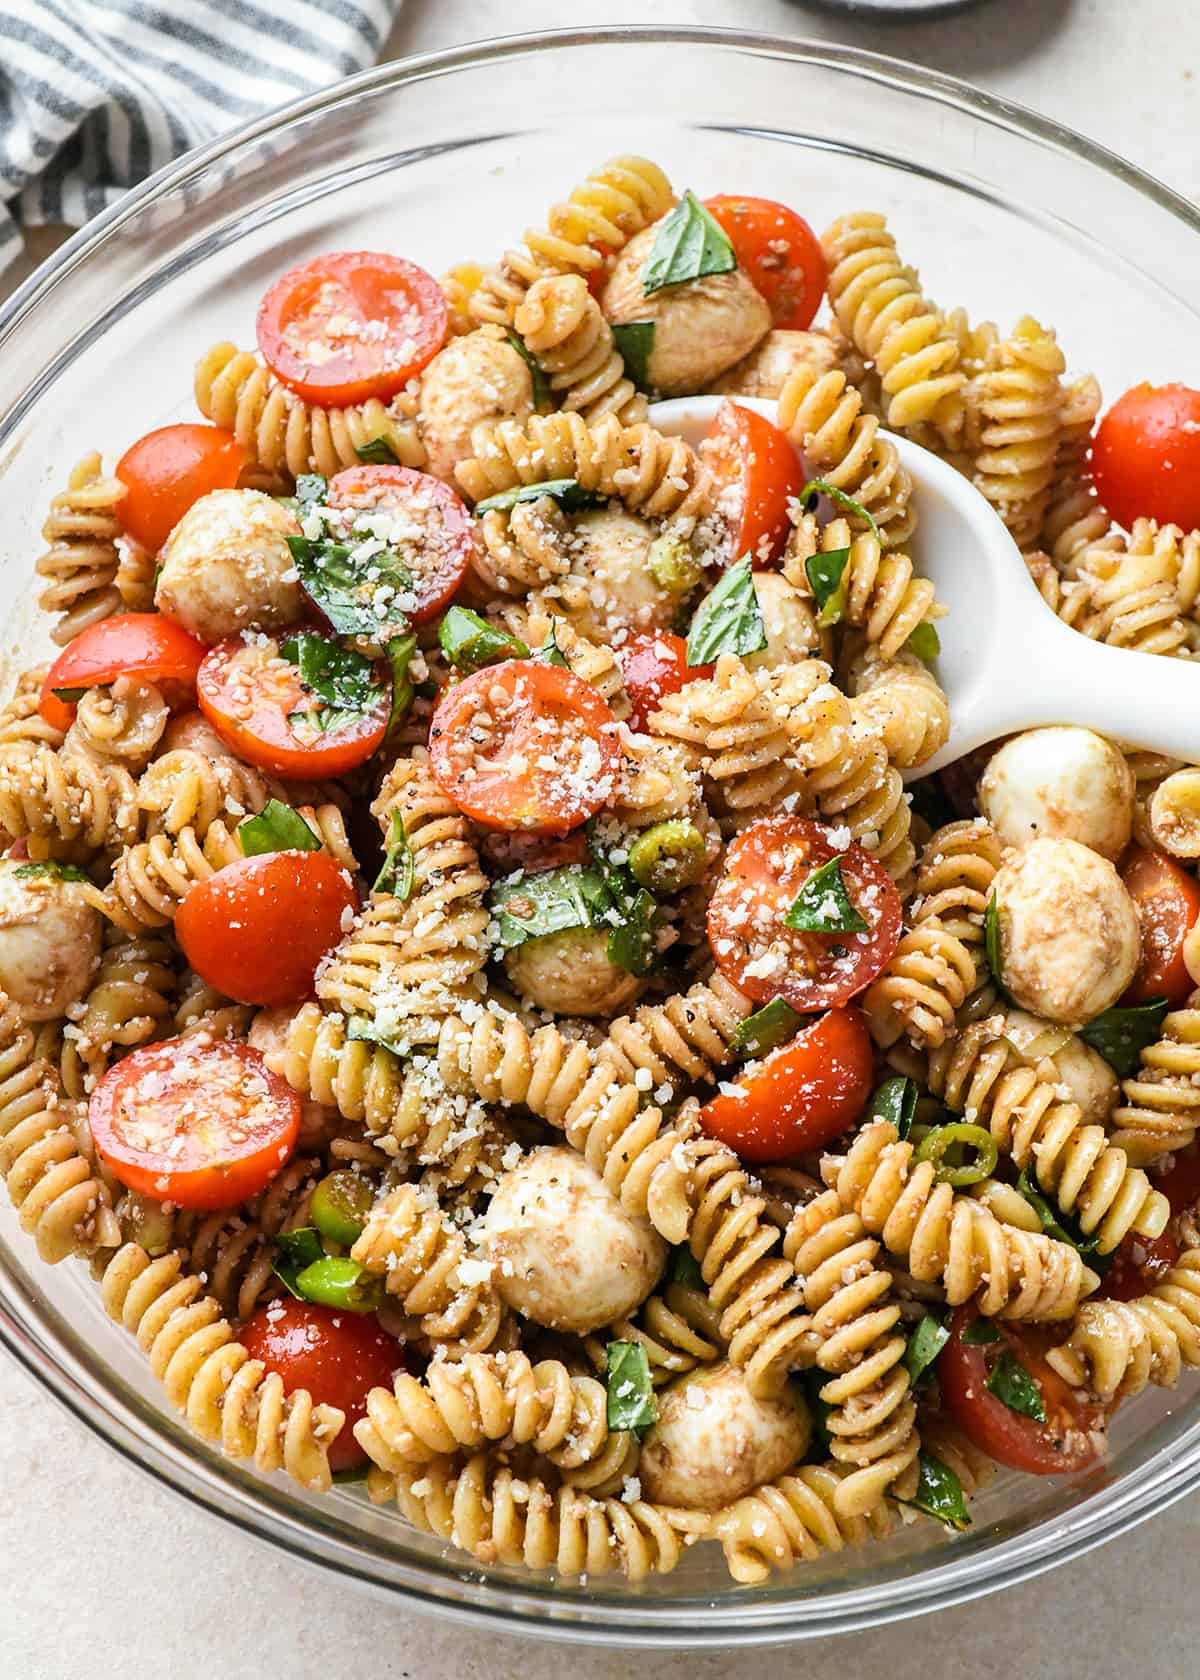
pixel 42 1343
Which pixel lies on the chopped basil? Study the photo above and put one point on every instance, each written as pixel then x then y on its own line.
pixel 925 642
pixel 826 574
pixel 980 1332
pixel 294 1252
pixel 635 345
pixel 939 1493
pixel 396 876
pixel 631 1403
pixel 346 681
pixel 364 1029
pixel 570 495
pixel 52 869
pixel 550 653
pixel 69 695
pixel 823 904
pixel 943 1142
pixel 311 488
pixel 277 828
pixel 537 373
pixel 690 243
pixel 1120 1035
pixel 551 901
pixel 470 642
pixel 991 939
pixel 822 487
pixel 728 620
pixel 632 916
pixel 685 1268
pixel 1011 1382
pixel 766 1029
pixel 400 651
pixel 895 1101
pixel 1058 1227
pixel 924 1344
pixel 377 453
pixel 359 597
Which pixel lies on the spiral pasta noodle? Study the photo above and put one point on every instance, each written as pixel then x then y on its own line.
pixel 1132 595
pixel 81 563
pixel 152 878
pixel 859 790
pixel 1160 1110
pixel 187 788
pixel 131 997
pixel 535 619
pixel 1116 1348
pixel 363 1081
pixel 21 724
pixel 564 327
pixel 522 549
pixel 826 420
pixel 791 1520
pixel 679 1329
pixel 689 1037
pixel 1075 520
pixel 901 699
pixel 884 598
pixel 1020 403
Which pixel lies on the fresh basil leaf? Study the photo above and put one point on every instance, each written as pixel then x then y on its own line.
pixel 766 1029
pixel 980 1332
pixel 826 574
pixel 685 1268
pixel 359 597
pixel 1120 1035
pixel 470 642
pixel 537 373
pixel 895 1101
pixel 396 876
pixel 939 1493
pixel 346 681
pixel 924 1344
pixel 51 869
pixel 635 345
pixel 552 901
pixel 632 917
pixel 823 904
pixel 69 695
pixel 400 651
pixel 728 620
pixel 925 642
pixel 277 828
pixel 1059 1226
pixel 631 1402
pixel 1011 1382
pixel 378 452
pixel 311 488
pixel 690 243
pixel 363 1029
pixel 567 492
pixel 822 487
pixel 991 940
pixel 550 653
pixel 294 1252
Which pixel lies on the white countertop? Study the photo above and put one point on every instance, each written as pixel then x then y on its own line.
pixel 102 1568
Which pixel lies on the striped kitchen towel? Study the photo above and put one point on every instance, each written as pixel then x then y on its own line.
pixel 97 94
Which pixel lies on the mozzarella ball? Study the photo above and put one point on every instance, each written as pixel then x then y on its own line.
pixel 767 369
pixel 1060 783
pixel 1088 1078
pixel 476 378
pixel 226 567
pixel 1069 940
pixel 569 973
pixel 49 942
pixel 701 327
pixel 611 586
pixel 714 1440
pixel 789 621
pixel 564 1251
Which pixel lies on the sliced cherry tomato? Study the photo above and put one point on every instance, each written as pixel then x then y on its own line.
pixel 525 745
pixel 1138 1265
pixel 1167 901
pixel 1072 1437
pixel 258 928
pixel 1146 456
pixel 1181 1185
pixel 800 1096
pixel 357 324
pixel 655 664
pixel 167 470
pixel 758 475
pixel 765 868
pixel 422 520
pixel 145 645
pixel 197 1121
pixel 339 1357
pixel 779 251
pixel 258 705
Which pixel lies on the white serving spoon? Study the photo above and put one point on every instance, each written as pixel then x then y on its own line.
pixel 1007 662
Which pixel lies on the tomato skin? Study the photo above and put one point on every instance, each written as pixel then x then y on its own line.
pixel 654 664
pixel 451 540
pixel 326 303
pixel 1146 456
pixel 765 867
pixel 1070 1439
pixel 745 449
pixel 1138 1265
pixel 167 470
pixel 258 928
pixel 779 251
pixel 1181 1185
pixel 339 1357
pixel 1167 901
pixel 543 718
pixel 145 645
pixel 202 1123
pixel 800 1096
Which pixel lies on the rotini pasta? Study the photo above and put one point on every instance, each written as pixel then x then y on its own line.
pixel 825 418
pixel 83 559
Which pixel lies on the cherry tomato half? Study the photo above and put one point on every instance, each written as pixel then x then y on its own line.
pixel 800 1096
pixel 654 664
pixel 525 745
pixel 145 645
pixel 1138 1265
pixel 765 868
pixel 258 928
pixel 339 1357
pixel 758 474
pixel 203 1123
pixel 167 470
pixel 353 325
pixel 1146 456
pixel 779 251
pixel 1181 1185
pixel 258 705
pixel 1167 901
pixel 435 535
pixel 1072 1437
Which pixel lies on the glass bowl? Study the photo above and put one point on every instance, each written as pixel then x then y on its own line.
pixel 450 156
